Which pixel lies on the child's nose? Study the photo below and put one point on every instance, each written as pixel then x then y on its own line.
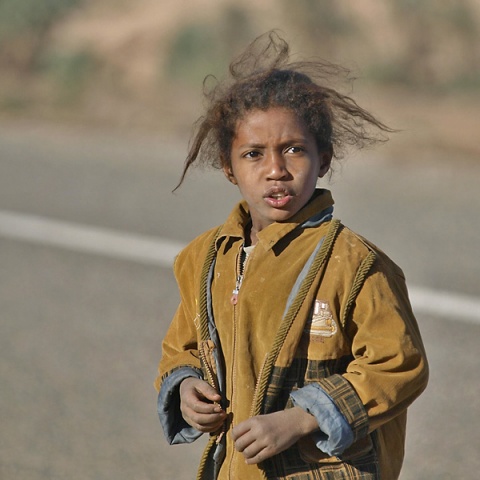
pixel 277 166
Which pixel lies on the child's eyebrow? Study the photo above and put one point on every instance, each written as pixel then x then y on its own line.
pixel 288 141
pixel 251 145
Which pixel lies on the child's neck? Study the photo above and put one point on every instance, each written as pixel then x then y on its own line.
pixel 250 235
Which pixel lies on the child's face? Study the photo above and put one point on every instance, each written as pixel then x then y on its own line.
pixel 275 164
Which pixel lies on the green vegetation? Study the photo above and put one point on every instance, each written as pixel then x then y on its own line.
pixel 440 44
pixel 437 42
pixel 70 71
pixel 19 16
pixel 194 52
pixel 24 25
pixel 199 49
pixel 424 44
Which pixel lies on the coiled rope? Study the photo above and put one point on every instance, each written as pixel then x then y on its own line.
pixel 362 272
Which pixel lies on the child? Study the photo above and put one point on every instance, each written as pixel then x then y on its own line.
pixel 294 345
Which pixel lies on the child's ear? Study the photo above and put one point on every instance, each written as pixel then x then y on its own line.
pixel 227 170
pixel 325 158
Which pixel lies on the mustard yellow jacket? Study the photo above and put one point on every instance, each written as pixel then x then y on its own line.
pixel 321 314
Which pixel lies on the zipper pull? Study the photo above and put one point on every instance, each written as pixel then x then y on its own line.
pixel 220 435
pixel 234 297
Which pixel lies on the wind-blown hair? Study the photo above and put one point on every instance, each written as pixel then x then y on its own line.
pixel 262 78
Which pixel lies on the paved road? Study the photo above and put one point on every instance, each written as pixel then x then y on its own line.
pixel 81 332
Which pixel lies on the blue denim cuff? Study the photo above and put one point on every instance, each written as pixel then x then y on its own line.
pixel 335 434
pixel 175 428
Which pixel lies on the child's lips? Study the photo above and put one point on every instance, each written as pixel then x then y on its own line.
pixel 278 197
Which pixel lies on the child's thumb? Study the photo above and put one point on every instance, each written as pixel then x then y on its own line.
pixel 208 392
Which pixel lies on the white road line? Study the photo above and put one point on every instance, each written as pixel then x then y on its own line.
pixel 450 305
pixel 157 251
pixel 89 239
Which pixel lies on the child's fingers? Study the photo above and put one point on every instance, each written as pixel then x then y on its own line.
pixel 253 449
pixel 208 391
pixel 244 442
pixel 205 422
pixel 192 388
pixel 258 457
pixel 198 405
pixel 240 430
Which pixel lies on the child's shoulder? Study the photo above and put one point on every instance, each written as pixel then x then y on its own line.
pixel 196 250
pixel 357 246
pixel 354 242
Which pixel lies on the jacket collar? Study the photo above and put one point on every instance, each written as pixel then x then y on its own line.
pixel 238 219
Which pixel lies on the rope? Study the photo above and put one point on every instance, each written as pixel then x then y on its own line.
pixel 211 253
pixel 292 312
pixel 204 459
pixel 362 272
pixel 204 333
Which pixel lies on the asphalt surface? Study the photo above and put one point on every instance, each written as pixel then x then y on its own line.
pixel 81 333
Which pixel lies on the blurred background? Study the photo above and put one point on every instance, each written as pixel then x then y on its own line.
pixel 113 62
pixel 97 99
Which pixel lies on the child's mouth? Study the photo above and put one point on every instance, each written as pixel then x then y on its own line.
pixel 278 198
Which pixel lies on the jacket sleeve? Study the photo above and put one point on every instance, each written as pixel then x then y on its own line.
pixel 388 370
pixel 175 428
pixel 335 434
pixel 180 358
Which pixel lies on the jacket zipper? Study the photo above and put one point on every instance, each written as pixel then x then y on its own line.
pixel 240 272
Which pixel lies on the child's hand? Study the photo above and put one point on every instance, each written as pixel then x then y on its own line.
pixel 261 437
pixel 197 405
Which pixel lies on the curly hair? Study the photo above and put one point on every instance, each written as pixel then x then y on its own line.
pixel 262 78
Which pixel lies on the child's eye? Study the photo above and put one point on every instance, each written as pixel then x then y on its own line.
pixel 252 154
pixel 294 149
